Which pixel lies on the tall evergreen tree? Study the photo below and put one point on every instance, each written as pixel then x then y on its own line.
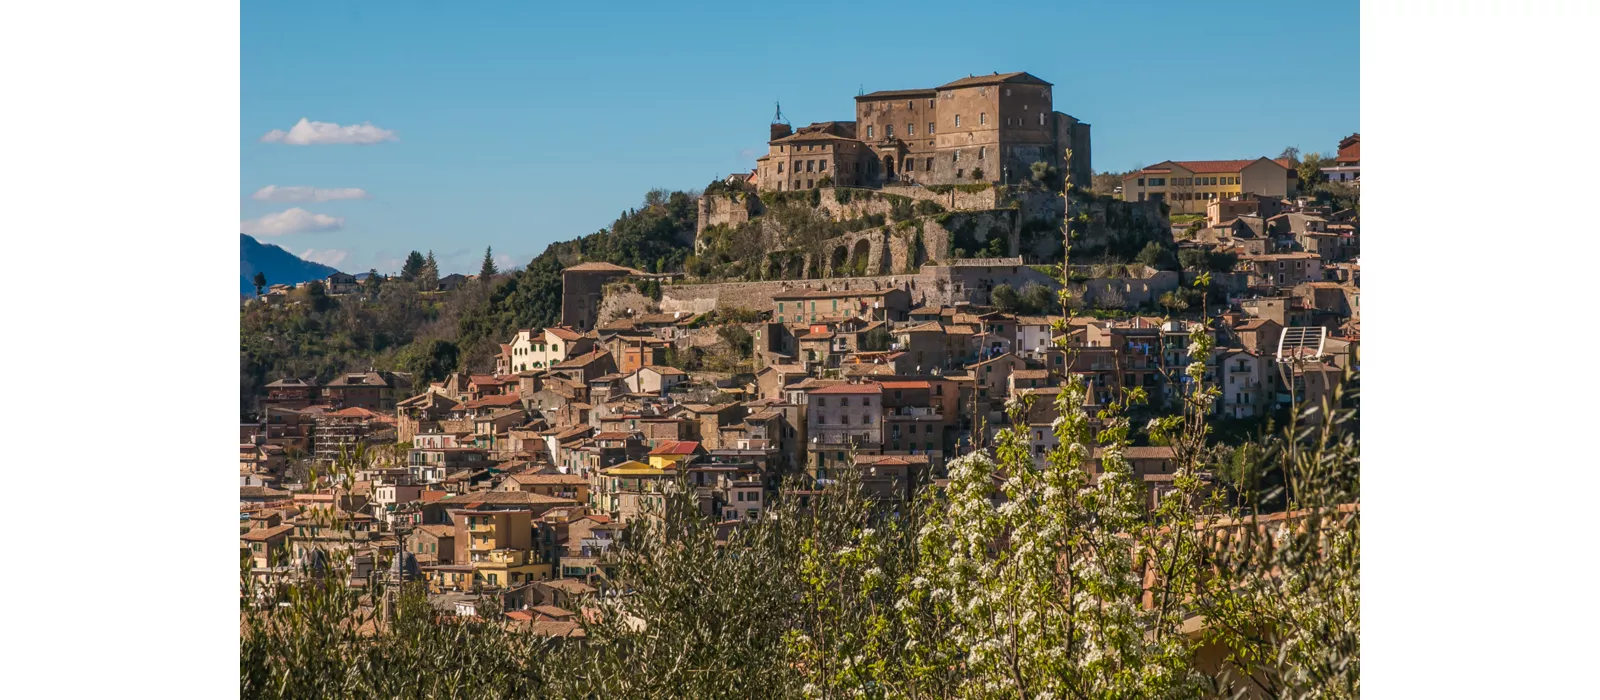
pixel 260 281
pixel 413 266
pixel 429 276
pixel 488 272
pixel 373 283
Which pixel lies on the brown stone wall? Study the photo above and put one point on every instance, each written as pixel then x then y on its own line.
pixel 726 210
pixel 896 131
pixel 581 294
pixel 958 147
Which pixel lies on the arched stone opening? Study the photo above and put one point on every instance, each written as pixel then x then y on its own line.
pixel 860 257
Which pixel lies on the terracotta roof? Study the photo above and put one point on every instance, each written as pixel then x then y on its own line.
pixel 888 94
pixel 563 333
pixel 438 530
pixel 1214 166
pixel 548 479
pixel 599 267
pixel 907 384
pixel 570 585
pixel 863 388
pixel 358 412
pixel 503 498
pixel 677 447
pixel 1017 77
pixel 262 534
pixel 583 360
pixel 261 492
pixel 556 628
pixel 497 400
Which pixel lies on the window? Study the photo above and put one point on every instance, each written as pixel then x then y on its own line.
pixel 983 118
pixel 869 131
pixel 958 122
pixel 956 156
pixel 930 127
pixel 982 151
pixel 888 131
pixel 911 129
pixel 908 104
pixel 911 164
pixel 930 103
pixel 810 164
pixel 930 164
pixel 1140 182
pixel 1041 119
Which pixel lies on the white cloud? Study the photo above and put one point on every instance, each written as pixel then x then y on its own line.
pixel 746 153
pixel 294 220
pixel 330 257
pixel 301 193
pixel 306 133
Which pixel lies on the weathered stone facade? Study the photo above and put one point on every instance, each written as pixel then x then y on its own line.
pixel 725 210
pixel 988 128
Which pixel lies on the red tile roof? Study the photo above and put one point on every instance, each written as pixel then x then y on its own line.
pixel 864 388
pixel 678 447
pixel 918 384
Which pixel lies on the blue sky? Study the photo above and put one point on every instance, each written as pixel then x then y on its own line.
pixel 517 124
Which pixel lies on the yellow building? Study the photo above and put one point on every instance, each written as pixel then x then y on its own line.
pixel 631 489
pixel 669 454
pixel 510 567
pixel 1187 186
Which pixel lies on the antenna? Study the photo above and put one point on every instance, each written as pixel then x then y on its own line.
pixel 777 114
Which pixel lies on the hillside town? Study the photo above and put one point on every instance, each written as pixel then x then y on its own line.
pixel 507 489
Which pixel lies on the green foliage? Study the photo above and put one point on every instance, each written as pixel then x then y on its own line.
pixel 260 282
pixel 1038 299
pixel 428 361
pixel 372 286
pixel 1005 298
pixel 738 339
pixel 1157 256
pixel 876 340
pixel 413 267
pixel 428 277
pixel 900 208
pixel 650 288
pixel 488 271
pixel 928 207
pixel 1309 170
pixel 1203 260
pixel 1046 175
pixel 1021 577
pixel 977 173
pixel 320 340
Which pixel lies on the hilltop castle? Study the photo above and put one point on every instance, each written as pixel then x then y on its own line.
pixel 987 128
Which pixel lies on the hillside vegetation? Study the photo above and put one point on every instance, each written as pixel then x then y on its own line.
pixel 393 325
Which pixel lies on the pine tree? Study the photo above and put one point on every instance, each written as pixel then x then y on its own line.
pixel 373 283
pixel 488 272
pixel 413 267
pixel 260 281
pixel 429 276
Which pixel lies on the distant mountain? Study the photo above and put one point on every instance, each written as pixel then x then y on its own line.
pixel 279 265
